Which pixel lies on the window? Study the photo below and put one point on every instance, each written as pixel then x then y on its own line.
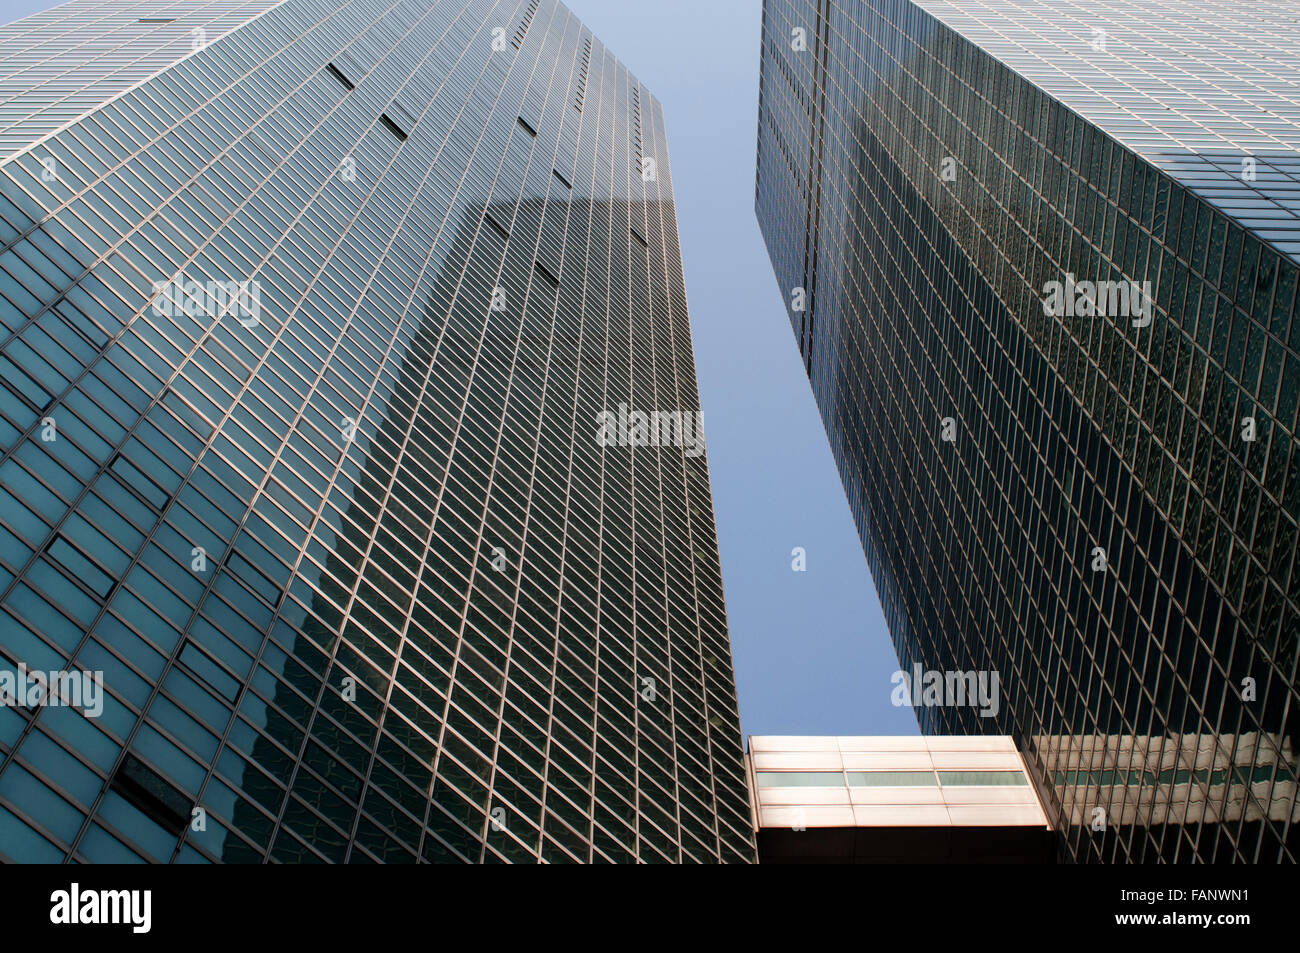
pixel 800 779
pixel 982 778
pixel 891 779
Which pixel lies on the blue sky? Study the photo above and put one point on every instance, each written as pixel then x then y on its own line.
pixel 812 652
pixel 811 648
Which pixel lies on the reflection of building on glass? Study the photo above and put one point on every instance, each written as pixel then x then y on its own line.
pixel 879 799
pixel 1103 509
pixel 1174 780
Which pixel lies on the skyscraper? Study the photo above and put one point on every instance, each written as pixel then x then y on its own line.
pixel 351 441
pixel 1040 260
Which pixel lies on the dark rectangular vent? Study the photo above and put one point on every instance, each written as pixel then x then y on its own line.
pixel 524 23
pixel 156 20
pixel 638 141
pixel 393 127
pixel 338 74
pixel 528 127
pixel 637 236
pixel 491 220
pixel 401 115
pixel 546 273
pixel 151 793
pixel 563 181
pixel 580 93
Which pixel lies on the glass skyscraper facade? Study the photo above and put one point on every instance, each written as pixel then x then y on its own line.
pixel 311 313
pixel 1102 508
